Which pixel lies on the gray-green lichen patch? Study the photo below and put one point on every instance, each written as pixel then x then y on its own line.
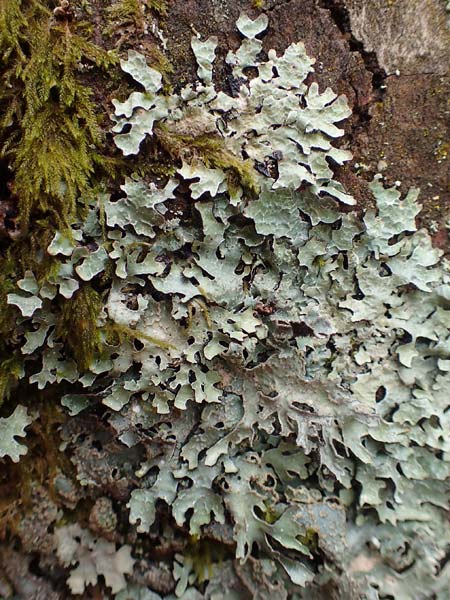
pixel 92 557
pixel 11 428
pixel 270 365
pixel 272 117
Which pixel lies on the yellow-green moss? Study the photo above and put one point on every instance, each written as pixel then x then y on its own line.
pixel 78 326
pixel 161 63
pixel 52 165
pixel 116 334
pixel 159 6
pixel 126 12
pixel 51 138
pixel 132 12
pixel 271 514
pixel 10 371
pixel 310 539
pixel 211 150
pixel 39 467
pixel 50 129
pixel 442 151
pixel 203 554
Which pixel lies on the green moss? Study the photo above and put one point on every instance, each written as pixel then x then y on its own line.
pixel 52 165
pixel 260 4
pixel 126 12
pixel 151 162
pixel 50 127
pixel 10 372
pixel 78 327
pixel 211 150
pixel 116 334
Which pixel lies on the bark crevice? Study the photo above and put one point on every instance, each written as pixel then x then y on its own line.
pixel 341 17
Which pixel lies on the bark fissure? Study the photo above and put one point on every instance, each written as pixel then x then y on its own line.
pixel 341 17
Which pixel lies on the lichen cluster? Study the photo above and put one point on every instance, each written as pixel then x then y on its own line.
pixel 271 371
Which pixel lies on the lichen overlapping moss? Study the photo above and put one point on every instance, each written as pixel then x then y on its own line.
pixel 212 152
pixel 50 137
pixel 15 259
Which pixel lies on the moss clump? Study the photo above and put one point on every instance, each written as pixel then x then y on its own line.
pixel 50 129
pixel 10 373
pixel 78 326
pixel 211 150
pixel 132 12
pixel 126 12
pixel 53 159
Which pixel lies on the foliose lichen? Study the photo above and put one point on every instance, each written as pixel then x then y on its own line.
pixel 278 368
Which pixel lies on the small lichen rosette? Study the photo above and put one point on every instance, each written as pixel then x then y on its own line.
pixel 282 366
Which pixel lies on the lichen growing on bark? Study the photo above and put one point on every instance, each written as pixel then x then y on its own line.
pixel 260 377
